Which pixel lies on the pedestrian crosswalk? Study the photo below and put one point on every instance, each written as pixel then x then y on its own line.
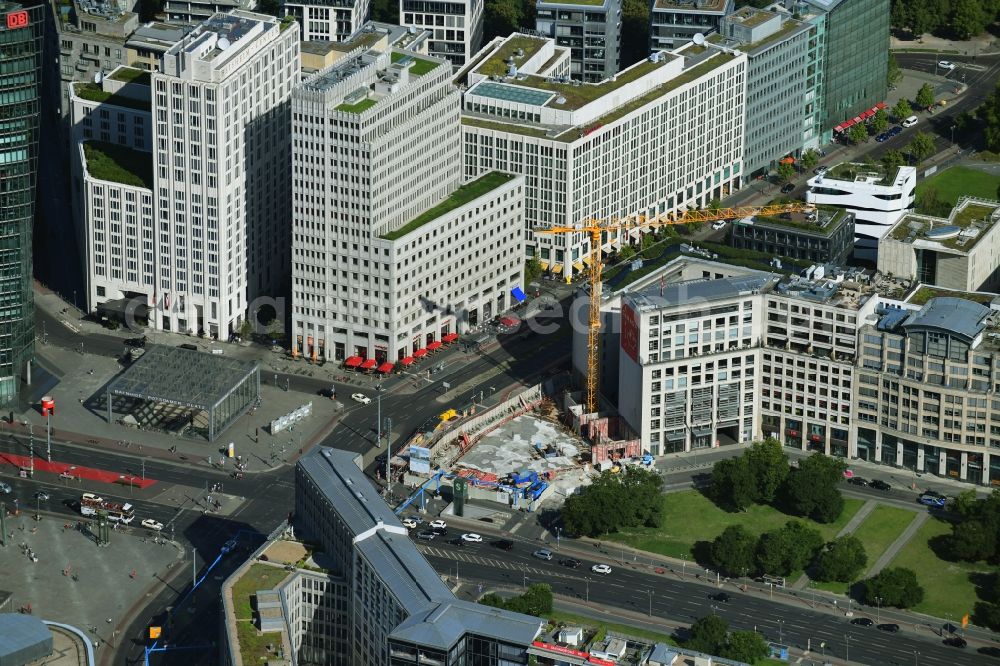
pixel 470 558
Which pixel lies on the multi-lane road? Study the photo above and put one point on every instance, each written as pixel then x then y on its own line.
pixel 671 596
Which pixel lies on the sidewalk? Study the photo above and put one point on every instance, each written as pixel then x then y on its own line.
pixel 856 520
pixel 981 45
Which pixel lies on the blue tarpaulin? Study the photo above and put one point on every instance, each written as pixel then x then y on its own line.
pixel 518 294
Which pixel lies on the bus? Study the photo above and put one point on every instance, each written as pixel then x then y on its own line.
pixel 92 505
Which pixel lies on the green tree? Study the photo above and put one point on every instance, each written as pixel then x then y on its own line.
pixel 246 328
pixel 929 203
pixel 708 635
pixel 987 615
pixel 536 600
pixel 858 133
pixel 733 551
pixel 893 73
pixel 902 110
pixel 880 122
pixel 626 252
pixel 925 96
pixel 502 17
pixel 715 204
pixel 788 549
pixel 810 159
pixel 769 467
pixel 275 330
pixel 968 19
pixel 891 161
pixel 843 560
pixel 921 21
pixel 648 240
pixel 746 646
pixel 786 171
pixel 899 18
pixel 895 587
pixel 964 503
pixel 271 7
pixel 385 11
pixel 811 490
pixel 921 146
pixel 733 484
pixel 631 498
pixel 532 269
pixel 971 540
pixel 635 32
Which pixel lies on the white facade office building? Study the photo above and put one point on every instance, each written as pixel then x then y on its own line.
pixel 222 170
pixel 456 26
pixel 390 252
pixel 592 33
pixel 663 135
pixel 328 20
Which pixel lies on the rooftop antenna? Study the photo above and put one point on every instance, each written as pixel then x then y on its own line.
pixel 699 38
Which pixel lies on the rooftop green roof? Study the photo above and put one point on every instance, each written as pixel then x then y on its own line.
pixel 463 195
pixel 130 75
pixel 971 213
pixel 827 221
pixel 118 164
pixel 580 95
pixel 95 93
pixel 496 64
pixel 926 293
pixel 419 67
pixel 363 105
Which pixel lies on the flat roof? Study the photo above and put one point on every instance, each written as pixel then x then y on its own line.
pixel 512 93
pixel 182 376
pixel 118 164
pixel 689 6
pixel 444 624
pixel 789 28
pixel 959 316
pixel 751 17
pixel 94 92
pixel 967 223
pixel 496 63
pixel 463 195
pixel 653 297
pixel 828 220
pixel 23 636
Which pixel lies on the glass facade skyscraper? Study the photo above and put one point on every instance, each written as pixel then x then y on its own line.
pixel 21 32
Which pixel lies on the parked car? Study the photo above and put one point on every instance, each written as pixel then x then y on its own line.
pixel 151 524
pixel 409 523
pixel 601 569
pixel 946 64
pixel 884 136
pixel 504 544
pixel 909 122
pixel 858 481
pixel 894 131
pixel 718 224
pixel 472 538
pixel 426 535
pixel 929 500
pixel 891 628
pixel 438 525
pixel 955 641
pixel 820 170
pixel 360 397
pixel 570 563
pixel 787 187
pixel 879 484
pixel 543 554
pixel 457 541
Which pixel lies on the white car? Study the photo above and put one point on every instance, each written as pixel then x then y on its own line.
pixel 946 64
pixel 360 397
pixel 718 225
pixel 5 488
pixel 439 525
pixel 601 569
pixel 409 523
pixel 151 524
pixel 472 538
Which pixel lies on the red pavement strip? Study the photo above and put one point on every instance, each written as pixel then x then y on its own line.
pixel 42 465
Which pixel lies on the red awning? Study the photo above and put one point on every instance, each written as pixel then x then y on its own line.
pixel 354 361
pixel 787 160
pixel 420 353
pixel 407 361
pixel 838 128
pixel 846 124
pixel 386 368
pixel 434 345
pixel 369 364
pixel 451 337
pixel 881 105
pixel 866 114
pixel 857 119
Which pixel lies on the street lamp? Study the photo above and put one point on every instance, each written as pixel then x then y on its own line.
pixel 878 608
pixel 847 654
pixel 916 658
pixel 781 631
pixel 952 135
pixel 558 536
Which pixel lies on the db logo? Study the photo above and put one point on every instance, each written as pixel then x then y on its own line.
pixel 17 20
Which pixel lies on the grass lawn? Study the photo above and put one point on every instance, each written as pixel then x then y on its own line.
pixel 118 164
pixel 958 181
pixel 689 517
pixel 257 577
pixel 363 105
pixel 948 592
pixel 253 645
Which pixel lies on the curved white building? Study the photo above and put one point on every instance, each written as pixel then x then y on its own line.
pixel 877 199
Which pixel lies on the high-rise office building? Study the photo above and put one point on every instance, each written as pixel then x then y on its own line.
pixel 328 20
pixel 674 23
pixel 391 252
pixel 456 26
pixel 662 135
pixel 20 83
pixel 223 170
pixel 590 30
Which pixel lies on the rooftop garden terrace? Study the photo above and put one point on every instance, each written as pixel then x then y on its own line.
pixel 95 93
pixel 971 214
pixel 851 171
pixel 118 164
pixel 926 293
pixel 419 67
pixel 463 195
pixel 363 105
pixel 254 644
pixel 827 220
pixel 496 64
pixel 130 75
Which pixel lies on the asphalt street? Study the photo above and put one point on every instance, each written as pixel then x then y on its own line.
pixel 665 595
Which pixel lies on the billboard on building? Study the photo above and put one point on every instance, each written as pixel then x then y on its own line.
pixel 420 460
pixel 630 332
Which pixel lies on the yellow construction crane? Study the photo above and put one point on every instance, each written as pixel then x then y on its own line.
pixel 596 227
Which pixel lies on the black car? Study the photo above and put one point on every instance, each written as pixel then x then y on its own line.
pixel 879 484
pixel 933 493
pixel 570 562
pixel 882 137
pixel 894 131
pixel 788 187
pixel 955 641
pixel 504 544
pixel 457 541
pixel 891 628
pixel 858 481
pixel 863 621
pixel 440 530
pixel 721 596
pixel 426 536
